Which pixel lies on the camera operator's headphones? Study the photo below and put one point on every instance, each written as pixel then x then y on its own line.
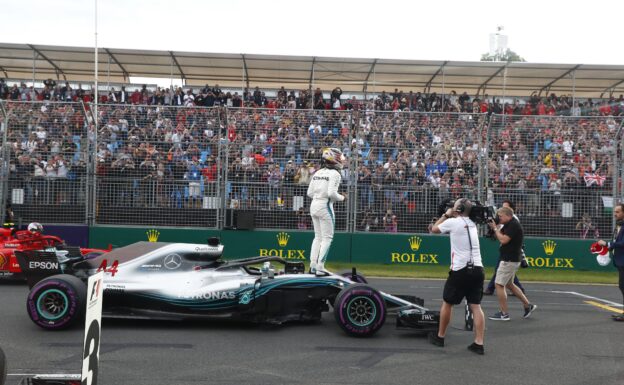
pixel 464 206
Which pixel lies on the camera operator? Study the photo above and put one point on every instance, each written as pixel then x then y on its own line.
pixel 510 237
pixel 466 276
pixel 490 288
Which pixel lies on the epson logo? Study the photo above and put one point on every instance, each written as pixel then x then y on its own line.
pixel 43 265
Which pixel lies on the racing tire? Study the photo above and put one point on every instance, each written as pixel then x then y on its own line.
pixel 359 278
pixel 3 367
pixel 57 302
pixel 360 310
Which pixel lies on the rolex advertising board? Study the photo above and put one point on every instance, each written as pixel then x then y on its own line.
pixel 562 254
pixel 410 249
pixel 357 248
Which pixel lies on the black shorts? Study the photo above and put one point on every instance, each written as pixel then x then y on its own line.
pixel 462 284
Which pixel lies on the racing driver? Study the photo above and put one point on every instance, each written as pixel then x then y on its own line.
pixel 323 190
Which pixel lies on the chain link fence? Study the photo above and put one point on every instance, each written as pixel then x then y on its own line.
pixel 44 158
pixel 210 167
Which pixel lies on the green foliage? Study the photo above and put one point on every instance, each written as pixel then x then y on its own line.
pixel 508 55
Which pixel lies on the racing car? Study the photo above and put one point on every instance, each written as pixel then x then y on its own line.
pixel 159 280
pixel 32 239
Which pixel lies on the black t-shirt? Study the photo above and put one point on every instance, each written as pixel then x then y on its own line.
pixel 512 251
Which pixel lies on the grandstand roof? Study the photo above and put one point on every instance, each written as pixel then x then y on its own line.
pixel 19 61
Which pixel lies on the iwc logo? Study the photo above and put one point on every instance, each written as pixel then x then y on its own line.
pixel 415 242
pixel 282 242
pixel 152 235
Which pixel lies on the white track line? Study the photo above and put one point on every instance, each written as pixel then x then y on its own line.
pixel 589 297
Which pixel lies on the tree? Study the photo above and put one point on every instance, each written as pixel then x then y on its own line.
pixel 508 55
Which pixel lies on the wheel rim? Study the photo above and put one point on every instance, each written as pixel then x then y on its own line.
pixel 52 304
pixel 361 311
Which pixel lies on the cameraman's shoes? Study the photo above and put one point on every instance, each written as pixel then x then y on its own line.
pixel 475 348
pixel 528 310
pixel 435 340
pixel 500 316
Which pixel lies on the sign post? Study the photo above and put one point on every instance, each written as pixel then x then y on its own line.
pixel 93 326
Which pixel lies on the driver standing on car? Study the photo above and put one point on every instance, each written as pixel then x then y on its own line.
pixel 466 275
pixel 323 190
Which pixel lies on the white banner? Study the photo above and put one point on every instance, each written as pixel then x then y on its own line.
pixel 93 326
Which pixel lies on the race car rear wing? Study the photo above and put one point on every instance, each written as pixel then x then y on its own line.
pixel 37 265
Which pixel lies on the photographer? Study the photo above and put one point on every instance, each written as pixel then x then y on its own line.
pixel 490 288
pixel 510 237
pixel 466 276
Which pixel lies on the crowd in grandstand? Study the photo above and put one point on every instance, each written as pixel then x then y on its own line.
pixel 407 150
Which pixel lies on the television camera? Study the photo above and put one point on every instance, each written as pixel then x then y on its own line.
pixel 479 213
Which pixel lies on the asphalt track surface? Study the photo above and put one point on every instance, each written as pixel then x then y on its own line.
pixel 566 341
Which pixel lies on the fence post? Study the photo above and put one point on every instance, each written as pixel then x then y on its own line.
pixel 90 183
pixel 484 144
pixel 223 156
pixel 4 171
pixel 353 177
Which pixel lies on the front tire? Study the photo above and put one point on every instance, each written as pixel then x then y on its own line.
pixel 57 302
pixel 360 310
pixel 359 278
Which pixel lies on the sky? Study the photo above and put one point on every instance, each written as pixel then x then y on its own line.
pixel 539 31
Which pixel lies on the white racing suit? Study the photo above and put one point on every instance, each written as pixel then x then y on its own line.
pixel 323 190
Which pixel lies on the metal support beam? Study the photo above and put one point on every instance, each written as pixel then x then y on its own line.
pixel 498 71
pixel 427 87
pixel 177 64
pixel 125 73
pixel 57 68
pixel 547 86
pixel 370 71
pixel 246 71
pixel 311 73
pixel 611 88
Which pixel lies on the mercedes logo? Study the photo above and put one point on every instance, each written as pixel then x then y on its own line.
pixel 173 261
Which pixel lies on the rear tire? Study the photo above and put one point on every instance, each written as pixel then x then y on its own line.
pixel 57 302
pixel 360 310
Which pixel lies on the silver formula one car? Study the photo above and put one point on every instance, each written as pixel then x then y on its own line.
pixel 159 280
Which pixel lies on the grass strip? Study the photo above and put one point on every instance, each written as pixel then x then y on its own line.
pixel 528 274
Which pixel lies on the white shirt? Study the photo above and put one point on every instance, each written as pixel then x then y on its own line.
pixel 460 245
pixel 324 185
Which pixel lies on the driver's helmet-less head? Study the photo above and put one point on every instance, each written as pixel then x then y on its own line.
pixel 333 158
pixel 35 227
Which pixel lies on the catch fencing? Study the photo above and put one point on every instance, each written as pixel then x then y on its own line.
pixel 220 167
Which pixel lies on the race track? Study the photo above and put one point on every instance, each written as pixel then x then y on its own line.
pixel 566 341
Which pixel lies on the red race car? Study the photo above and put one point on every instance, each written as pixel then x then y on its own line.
pixel 33 239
